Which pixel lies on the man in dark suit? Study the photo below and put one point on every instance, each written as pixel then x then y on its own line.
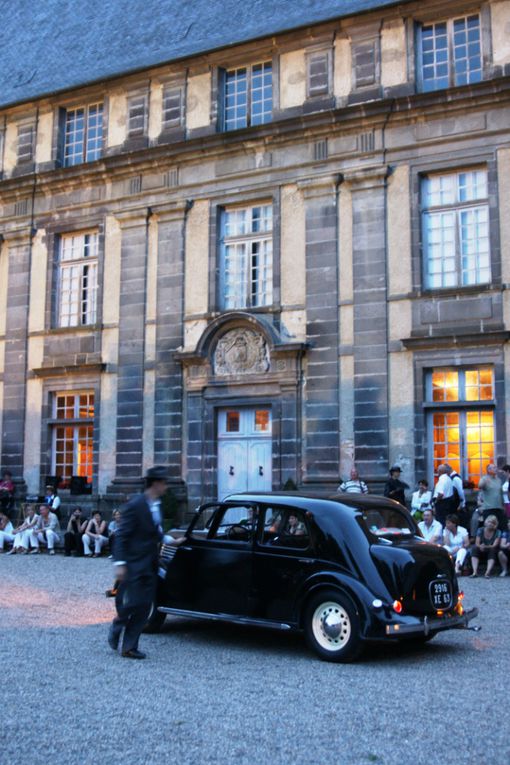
pixel 136 563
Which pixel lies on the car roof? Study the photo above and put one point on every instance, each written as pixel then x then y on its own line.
pixel 317 502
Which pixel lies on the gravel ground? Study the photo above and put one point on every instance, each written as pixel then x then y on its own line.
pixel 211 693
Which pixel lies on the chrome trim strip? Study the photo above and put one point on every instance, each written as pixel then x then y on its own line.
pixel 225 618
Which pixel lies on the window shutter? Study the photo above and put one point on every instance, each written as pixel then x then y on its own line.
pixel 172 107
pixel 318 74
pixel 365 63
pixel 25 143
pixel 137 115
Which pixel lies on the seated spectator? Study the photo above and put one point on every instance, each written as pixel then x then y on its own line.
pixel 421 500
pixel 430 528
pixel 486 545
pixel 74 533
pixel 6 530
pixel 6 490
pixel 22 533
pixel 53 500
pixel 113 527
pixel 354 485
pixel 46 531
pixel 456 541
pixel 95 532
pixel 504 550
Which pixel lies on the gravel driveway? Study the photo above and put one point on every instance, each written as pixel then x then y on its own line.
pixel 210 693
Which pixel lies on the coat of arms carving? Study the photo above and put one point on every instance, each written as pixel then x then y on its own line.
pixel 241 352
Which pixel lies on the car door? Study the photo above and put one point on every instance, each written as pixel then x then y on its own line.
pixel 212 571
pixel 283 559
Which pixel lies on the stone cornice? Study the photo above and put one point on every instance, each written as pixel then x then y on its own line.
pixel 447 341
pixel 365 178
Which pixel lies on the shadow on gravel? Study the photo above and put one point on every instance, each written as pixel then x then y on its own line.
pixel 275 643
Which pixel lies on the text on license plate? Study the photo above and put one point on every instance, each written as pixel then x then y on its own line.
pixel 440 594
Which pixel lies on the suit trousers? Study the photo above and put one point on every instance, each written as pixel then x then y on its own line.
pixel 133 603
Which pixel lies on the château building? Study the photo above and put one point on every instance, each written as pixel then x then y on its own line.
pixel 253 242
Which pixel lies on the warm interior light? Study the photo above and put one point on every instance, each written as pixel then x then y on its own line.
pixel 397 606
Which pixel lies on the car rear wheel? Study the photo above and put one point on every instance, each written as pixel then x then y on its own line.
pixel 332 627
pixel 155 620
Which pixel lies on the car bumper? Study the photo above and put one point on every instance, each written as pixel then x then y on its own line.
pixel 429 625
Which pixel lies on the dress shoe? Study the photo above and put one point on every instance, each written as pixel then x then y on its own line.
pixel 133 654
pixel 113 639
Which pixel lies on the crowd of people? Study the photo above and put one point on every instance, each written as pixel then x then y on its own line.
pixel 41 527
pixel 443 516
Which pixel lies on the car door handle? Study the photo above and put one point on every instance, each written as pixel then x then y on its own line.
pixel 182 547
pixel 307 561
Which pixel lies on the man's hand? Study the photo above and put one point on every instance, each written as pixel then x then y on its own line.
pixel 121 573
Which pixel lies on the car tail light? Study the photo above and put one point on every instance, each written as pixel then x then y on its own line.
pixel 397 606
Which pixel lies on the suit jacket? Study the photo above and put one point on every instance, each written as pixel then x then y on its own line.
pixel 137 539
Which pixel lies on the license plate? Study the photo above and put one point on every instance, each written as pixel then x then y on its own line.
pixel 441 594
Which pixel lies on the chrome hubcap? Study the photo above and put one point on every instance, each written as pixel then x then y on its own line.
pixel 331 626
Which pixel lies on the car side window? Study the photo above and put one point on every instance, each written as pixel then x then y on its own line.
pixel 285 527
pixel 235 523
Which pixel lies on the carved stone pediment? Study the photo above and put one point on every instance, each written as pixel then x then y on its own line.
pixel 241 352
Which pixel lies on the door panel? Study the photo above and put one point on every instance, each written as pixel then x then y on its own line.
pixel 232 467
pixel 259 465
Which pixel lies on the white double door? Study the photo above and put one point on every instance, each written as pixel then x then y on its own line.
pixel 244 450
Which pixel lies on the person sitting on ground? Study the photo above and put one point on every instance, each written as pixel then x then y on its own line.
pixel 22 533
pixel 486 545
pixel 46 531
pixel 113 527
pixel 430 528
pixel 354 485
pixel 421 499
pixel 6 530
pixel 395 488
pixel 95 532
pixel 504 550
pixel 53 500
pixel 6 490
pixel 74 533
pixel 456 541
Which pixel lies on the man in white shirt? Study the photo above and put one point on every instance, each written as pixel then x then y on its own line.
pixel 354 485
pixel 47 530
pixel 421 499
pixel 430 528
pixel 443 494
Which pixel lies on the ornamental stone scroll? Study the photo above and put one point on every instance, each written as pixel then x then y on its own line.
pixel 241 352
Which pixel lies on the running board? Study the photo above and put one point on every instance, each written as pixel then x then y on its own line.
pixel 225 618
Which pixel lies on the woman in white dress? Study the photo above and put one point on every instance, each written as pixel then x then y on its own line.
pixel 21 541
pixel 6 530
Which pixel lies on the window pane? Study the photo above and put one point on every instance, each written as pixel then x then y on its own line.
pixel 262 420
pixel 479 385
pixel 434 52
pixel 78 279
pixel 233 422
pixel 236 99
pixel 474 245
pixel 466 50
pixel 439 249
pixel 446 439
pixel 445 385
pixel 480 443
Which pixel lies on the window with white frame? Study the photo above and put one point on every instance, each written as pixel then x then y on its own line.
pixel 83 139
pixel 455 229
pixel 460 403
pixel 450 53
pixel 248 96
pixel 72 436
pixel 247 256
pixel 77 279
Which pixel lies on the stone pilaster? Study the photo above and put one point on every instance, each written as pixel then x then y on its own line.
pixel 368 190
pixel 321 402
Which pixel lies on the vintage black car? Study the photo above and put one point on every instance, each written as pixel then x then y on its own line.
pixel 345 570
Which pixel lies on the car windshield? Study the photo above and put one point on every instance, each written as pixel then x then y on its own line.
pixel 387 521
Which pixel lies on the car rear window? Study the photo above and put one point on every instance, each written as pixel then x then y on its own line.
pixel 387 521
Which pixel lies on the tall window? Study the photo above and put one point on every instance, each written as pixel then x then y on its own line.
pixel 461 420
pixel 72 436
pixel 172 107
pixel 248 96
pixel 77 285
pixel 83 141
pixel 247 257
pixel 450 53
pixel 137 115
pixel 456 229
pixel 26 135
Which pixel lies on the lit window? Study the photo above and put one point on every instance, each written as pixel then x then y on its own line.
pixel 461 433
pixel 456 229
pixel 233 422
pixel 248 96
pixel 83 140
pixel 77 287
pixel 247 257
pixel 451 53
pixel 72 436
pixel 262 420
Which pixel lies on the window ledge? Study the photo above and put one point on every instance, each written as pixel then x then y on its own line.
pixel 439 405
pixel 447 341
pixel 472 289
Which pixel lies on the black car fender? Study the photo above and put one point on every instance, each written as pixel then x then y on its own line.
pixel 359 596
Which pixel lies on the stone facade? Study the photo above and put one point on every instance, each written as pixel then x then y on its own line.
pixel 343 350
